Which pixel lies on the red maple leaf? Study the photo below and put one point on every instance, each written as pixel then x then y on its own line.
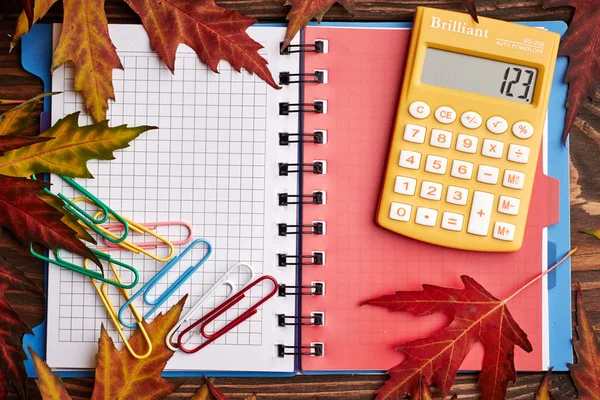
pixel 8 143
pixel 476 316
pixel 582 45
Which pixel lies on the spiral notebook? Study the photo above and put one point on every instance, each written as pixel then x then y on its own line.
pixel 288 181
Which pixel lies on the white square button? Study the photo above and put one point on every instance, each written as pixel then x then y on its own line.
pixel 504 231
pixel 487 174
pixel 467 143
pixel 457 195
pixel 441 138
pixel 518 153
pixel 414 133
pixel 400 211
pixel 508 205
pixel 436 164
pixel 426 216
pixel 410 159
pixel 431 190
pixel 492 148
pixel 405 185
pixel 513 179
pixel 452 221
pixel 462 169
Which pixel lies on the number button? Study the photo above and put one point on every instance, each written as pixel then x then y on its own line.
pixel 400 211
pixel 466 143
pixel 414 133
pixel 513 179
pixel 410 159
pixel 471 120
pixel 445 115
pixel 462 169
pixel 487 174
pixel 405 185
pixel 518 154
pixel 481 211
pixel 496 125
pixel 436 165
pixel 522 130
pixel 431 190
pixel 426 216
pixel 419 109
pixel 508 205
pixel 452 221
pixel 504 231
pixel 440 138
pixel 457 195
pixel 492 148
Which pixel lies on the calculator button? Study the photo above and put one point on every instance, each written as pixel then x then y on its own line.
pixel 440 138
pixel 462 169
pixel 466 143
pixel 496 125
pixel 518 153
pixel 457 195
pixel 492 148
pixel 414 133
pixel 419 109
pixel 426 216
pixel 471 120
pixel 431 190
pixel 405 185
pixel 508 205
pixel 400 211
pixel 436 164
pixel 445 115
pixel 522 130
pixel 487 174
pixel 504 231
pixel 452 221
pixel 513 179
pixel 410 159
pixel 481 211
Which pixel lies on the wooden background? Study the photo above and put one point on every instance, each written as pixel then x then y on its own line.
pixel 15 83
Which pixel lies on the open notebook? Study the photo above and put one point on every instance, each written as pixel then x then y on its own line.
pixel 219 162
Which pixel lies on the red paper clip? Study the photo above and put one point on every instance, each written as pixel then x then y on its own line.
pixel 220 310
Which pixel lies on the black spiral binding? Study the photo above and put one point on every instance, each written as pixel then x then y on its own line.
pixel 315 349
pixel 317 137
pixel 316 319
pixel 317 167
pixel 317 47
pixel 316 289
pixel 285 78
pixel 316 106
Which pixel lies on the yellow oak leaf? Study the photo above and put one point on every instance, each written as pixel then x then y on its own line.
pixel 85 41
pixel 40 9
pixel 67 154
pixel 50 385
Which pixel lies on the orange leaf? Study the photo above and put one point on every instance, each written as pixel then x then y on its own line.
pixel 121 376
pixel 84 40
pixel 471 8
pixel 40 9
pixel 15 120
pixel 202 393
pixel 28 10
pixel 304 10
pixel 543 392
pixel 586 372
pixel 50 385
pixel 217 394
pixel 423 391
pixel 213 32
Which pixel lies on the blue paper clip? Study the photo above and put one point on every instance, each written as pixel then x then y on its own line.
pixel 172 288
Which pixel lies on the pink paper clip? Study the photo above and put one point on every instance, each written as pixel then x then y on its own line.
pixel 149 226
pixel 220 310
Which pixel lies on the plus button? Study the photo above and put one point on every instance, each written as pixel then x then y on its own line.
pixel 480 213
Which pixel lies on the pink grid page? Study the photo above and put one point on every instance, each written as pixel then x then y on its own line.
pixel 363 260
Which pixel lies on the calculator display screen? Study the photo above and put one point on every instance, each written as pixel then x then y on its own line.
pixel 479 75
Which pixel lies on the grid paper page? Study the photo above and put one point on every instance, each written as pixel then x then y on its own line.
pixel 211 164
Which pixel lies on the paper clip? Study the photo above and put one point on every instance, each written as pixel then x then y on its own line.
pixel 92 274
pixel 134 247
pixel 223 281
pixel 220 310
pixel 151 226
pixel 103 294
pixel 172 288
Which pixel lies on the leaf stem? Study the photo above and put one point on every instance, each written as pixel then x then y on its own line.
pixel 541 275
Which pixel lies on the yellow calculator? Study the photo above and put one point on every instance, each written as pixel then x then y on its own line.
pixel 468 131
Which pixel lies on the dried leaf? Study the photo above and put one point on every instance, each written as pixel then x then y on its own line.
pixel 31 219
pixel 581 44
pixel 251 397
pixel 202 393
pixel 471 8
pixel 71 148
pixel 423 391
pixel 40 9
pixel 15 120
pixel 85 41
pixel 476 316
pixel 28 10
pixel 543 392
pixel 13 328
pixel 454 397
pixel 68 218
pixel 8 143
pixel 217 394
pixel 586 372
pixel 213 32
pixel 304 10
pixel 50 385
pixel 593 232
pixel 121 376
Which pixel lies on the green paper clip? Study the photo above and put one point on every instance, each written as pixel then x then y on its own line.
pixel 92 274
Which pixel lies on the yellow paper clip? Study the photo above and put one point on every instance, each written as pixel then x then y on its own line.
pixel 103 294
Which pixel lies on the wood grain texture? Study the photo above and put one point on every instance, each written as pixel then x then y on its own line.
pixel 15 83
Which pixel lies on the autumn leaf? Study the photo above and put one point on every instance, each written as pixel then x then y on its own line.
pixel 85 41
pixel 40 9
pixel 581 44
pixel 15 120
pixel 251 397
pixel 423 391
pixel 202 393
pixel 543 392
pixel 586 372
pixel 593 232
pixel 217 394
pixel 28 10
pixel 68 218
pixel 12 328
pixel 213 32
pixel 71 148
pixel 8 143
pixel 31 219
pixel 471 8
pixel 50 385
